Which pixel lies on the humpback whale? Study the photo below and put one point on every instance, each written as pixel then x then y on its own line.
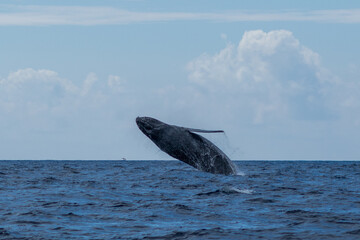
pixel 187 146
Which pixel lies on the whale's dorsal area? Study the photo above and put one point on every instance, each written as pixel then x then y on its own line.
pixel 187 146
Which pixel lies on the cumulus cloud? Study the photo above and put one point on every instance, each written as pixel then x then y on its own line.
pixel 34 91
pixel 116 83
pixel 44 91
pixel 88 83
pixel 45 115
pixel 30 76
pixel 270 71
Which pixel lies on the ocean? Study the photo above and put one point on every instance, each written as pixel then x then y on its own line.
pixel 171 200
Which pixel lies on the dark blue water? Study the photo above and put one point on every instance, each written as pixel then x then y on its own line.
pixel 169 200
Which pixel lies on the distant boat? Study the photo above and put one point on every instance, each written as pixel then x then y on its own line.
pixel 123 158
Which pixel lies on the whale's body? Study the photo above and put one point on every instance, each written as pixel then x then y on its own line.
pixel 187 146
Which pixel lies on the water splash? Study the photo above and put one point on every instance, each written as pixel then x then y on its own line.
pixel 239 173
pixel 231 189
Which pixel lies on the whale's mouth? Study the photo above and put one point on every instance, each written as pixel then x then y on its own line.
pixel 144 124
pixel 139 121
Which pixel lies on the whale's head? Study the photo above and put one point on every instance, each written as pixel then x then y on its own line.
pixel 151 127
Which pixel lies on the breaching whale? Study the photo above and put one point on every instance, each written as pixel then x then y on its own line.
pixel 187 146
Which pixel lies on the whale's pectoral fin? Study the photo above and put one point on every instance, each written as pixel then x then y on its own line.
pixel 203 131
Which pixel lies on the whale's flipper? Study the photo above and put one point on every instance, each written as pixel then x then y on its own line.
pixel 203 131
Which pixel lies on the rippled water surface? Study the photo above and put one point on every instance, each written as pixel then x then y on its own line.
pixel 169 200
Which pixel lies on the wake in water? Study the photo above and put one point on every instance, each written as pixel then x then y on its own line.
pixel 228 190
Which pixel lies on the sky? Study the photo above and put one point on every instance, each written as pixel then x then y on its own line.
pixel 281 78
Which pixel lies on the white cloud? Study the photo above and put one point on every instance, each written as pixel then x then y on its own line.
pixel 33 91
pixel 30 76
pixel 271 72
pixel 13 15
pixel 88 83
pixel 44 91
pixel 44 115
pixel 277 99
pixel 116 83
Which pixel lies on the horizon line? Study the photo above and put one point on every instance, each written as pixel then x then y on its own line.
pixel 127 160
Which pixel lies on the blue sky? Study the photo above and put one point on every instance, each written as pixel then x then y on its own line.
pixel 280 77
